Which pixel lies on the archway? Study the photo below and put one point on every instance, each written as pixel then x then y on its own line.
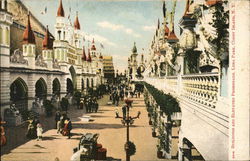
pixel 92 82
pixel 73 76
pixel 70 87
pixel 41 89
pixel 189 152
pixel 19 94
pixel 87 82
pixel 56 87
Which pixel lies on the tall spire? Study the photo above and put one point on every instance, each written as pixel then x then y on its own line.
pixel 47 41
pixel 60 11
pixel 84 57
pixel 158 25
pixel 164 9
pixel 76 23
pixel 186 13
pixel 93 45
pixel 28 35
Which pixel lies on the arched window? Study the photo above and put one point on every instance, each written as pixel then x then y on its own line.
pixel 59 34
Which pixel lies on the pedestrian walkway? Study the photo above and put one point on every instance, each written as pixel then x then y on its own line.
pixel 112 136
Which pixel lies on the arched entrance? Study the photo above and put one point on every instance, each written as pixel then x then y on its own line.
pixel 19 94
pixel 56 87
pixel 73 76
pixel 189 152
pixel 70 86
pixel 41 89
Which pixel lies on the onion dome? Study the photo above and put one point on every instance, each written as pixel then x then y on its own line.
pixel 60 11
pixel 89 56
pixel 134 50
pixel 84 57
pixel 93 45
pixel 186 13
pixel 28 35
pixel 213 2
pixel 47 41
pixel 76 23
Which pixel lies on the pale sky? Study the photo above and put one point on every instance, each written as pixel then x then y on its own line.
pixel 115 24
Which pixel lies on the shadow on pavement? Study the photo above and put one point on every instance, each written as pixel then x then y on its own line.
pixel 98 126
pixel 113 159
pixel 39 146
pixel 49 138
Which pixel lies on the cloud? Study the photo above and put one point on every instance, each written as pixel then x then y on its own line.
pixel 98 38
pixel 115 27
pixel 149 28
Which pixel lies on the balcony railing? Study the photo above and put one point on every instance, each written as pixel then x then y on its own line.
pixel 202 88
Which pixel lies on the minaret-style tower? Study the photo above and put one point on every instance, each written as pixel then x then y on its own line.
pixel 60 43
pixel 47 52
pixel 29 45
pixel 60 27
pixel 133 61
pixel 77 34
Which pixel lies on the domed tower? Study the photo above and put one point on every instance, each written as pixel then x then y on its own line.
pixel 133 61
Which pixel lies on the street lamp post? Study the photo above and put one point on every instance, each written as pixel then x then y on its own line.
pixel 128 120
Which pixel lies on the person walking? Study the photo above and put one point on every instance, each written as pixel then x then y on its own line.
pixel 68 127
pixel 39 130
pixel 57 117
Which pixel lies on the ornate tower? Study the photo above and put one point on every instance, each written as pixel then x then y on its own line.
pixel 93 48
pixel 29 45
pixel 60 43
pixel 133 61
pixel 47 52
pixel 77 34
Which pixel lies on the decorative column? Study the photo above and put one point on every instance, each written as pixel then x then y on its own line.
pixel 63 90
pixel 49 87
pixel 31 90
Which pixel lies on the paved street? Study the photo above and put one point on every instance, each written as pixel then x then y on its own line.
pixel 112 136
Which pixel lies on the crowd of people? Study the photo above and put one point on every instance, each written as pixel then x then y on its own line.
pixel 120 92
pixel 90 103
pixel 63 123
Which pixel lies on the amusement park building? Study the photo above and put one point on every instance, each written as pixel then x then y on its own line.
pixel 36 64
pixel 199 72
